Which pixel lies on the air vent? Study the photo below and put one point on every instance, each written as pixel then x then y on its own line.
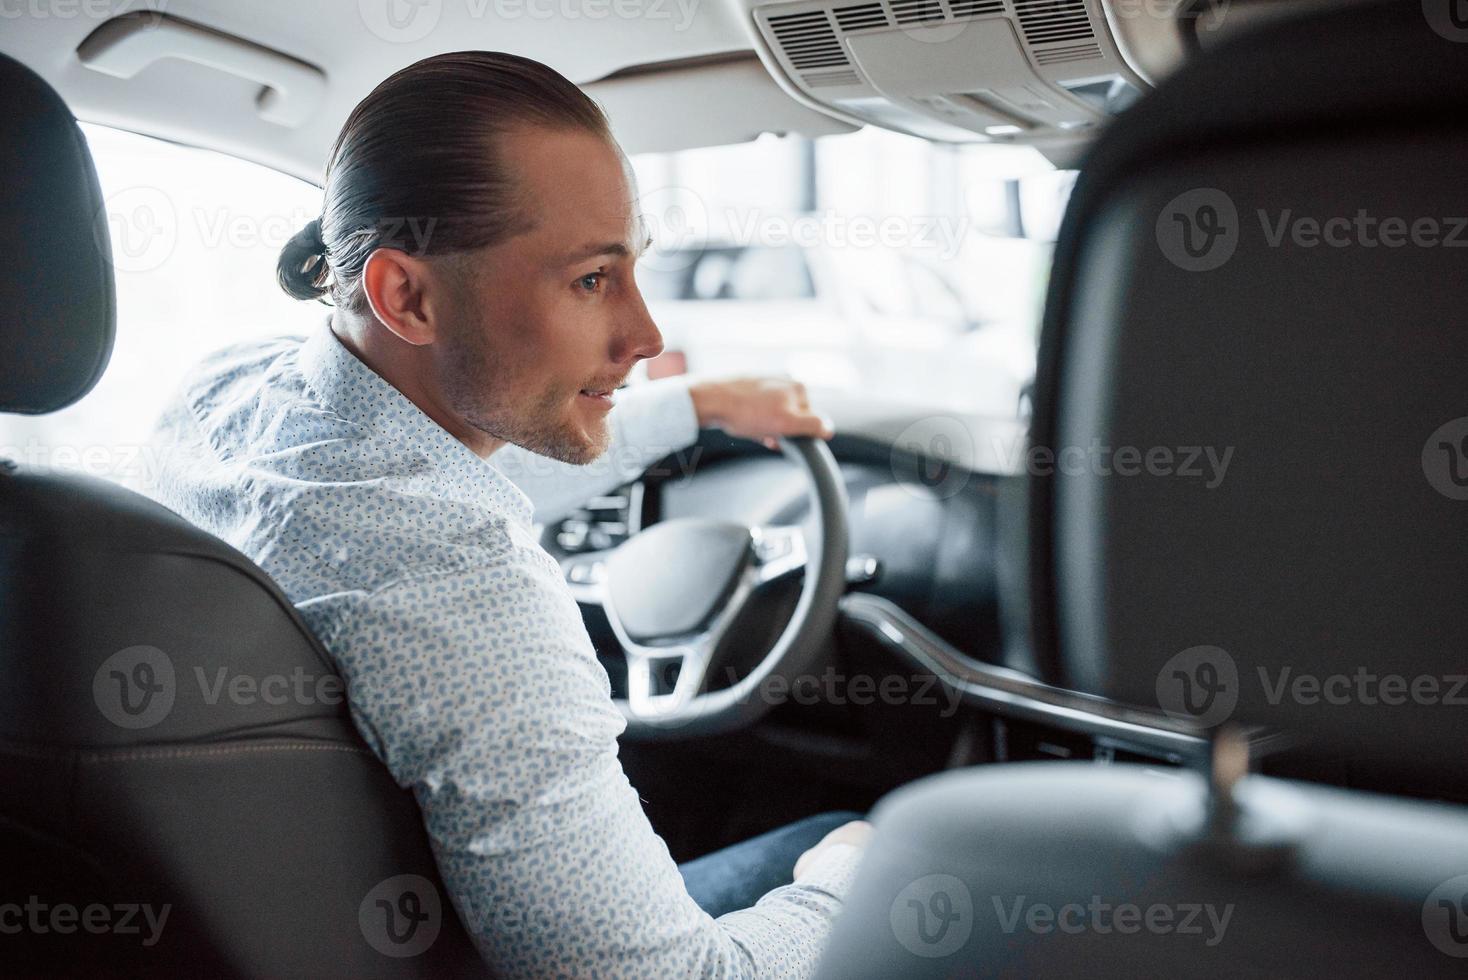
pixel 826 79
pixel 808 40
pixel 1051 21
pixel 916 11
pixel 1068 52
pixel 861 17
pixel 974 8
pixel 851 56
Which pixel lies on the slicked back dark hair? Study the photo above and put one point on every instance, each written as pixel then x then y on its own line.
pixel 418 167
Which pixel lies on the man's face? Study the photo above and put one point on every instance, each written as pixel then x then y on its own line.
pixel 550 322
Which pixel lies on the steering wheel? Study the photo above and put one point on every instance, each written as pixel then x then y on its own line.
pixel 672 592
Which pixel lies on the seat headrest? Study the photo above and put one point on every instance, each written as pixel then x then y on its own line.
pixel 56 290
pixel 1251 392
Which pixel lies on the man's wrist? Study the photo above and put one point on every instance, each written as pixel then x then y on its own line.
pixel 831 855
pixel 708 400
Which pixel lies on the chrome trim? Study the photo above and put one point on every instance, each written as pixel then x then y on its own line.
pixel 635 492
pixel 1010 693
pixel 587 593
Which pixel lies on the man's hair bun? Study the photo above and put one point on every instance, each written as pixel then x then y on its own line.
pixel 302 270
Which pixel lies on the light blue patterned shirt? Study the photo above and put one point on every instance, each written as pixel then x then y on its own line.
pixel 468 668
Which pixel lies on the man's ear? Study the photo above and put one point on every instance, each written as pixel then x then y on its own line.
pixel 404 294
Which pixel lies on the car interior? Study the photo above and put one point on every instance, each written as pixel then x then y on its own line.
pixel 1181 634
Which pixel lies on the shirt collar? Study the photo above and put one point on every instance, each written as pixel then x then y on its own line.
pixel 357 393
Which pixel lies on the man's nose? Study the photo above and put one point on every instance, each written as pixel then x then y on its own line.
pixel 641 338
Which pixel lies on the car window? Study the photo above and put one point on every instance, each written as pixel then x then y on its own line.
pixel 905 234
pixel 925 287
pixel 195 236
pixel 934 297
pixel 768 275
pixel 711 272
pixel 665 282
pixel 711 268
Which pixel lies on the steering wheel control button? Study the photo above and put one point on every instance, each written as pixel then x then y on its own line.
pixel 778 550
pixel 770 547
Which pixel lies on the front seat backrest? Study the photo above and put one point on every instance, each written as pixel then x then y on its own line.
pixel 182 791
pixel 1227 279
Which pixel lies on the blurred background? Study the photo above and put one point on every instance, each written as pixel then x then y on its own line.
pixel 870 263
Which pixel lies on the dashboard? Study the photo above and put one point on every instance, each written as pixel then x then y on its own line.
pixel 927 534
pixel 930 542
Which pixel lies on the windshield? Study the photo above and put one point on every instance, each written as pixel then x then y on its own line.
pixel 870 263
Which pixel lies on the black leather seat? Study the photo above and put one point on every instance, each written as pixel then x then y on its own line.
pixel 136 769
pixel 1331 363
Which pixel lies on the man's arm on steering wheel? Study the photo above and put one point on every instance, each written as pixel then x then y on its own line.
pixel 654 419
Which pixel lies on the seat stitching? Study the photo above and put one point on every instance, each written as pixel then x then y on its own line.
pixel 126 755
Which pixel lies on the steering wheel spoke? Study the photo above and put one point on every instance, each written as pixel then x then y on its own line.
pixel 779 550
pixel 662 681
pixel 586 574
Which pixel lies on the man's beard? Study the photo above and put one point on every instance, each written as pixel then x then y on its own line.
pixel 542 426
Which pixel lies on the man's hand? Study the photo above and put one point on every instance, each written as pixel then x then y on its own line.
pixel 856 833
pixel 757 408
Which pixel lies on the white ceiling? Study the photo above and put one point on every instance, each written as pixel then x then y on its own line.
pixel 356 45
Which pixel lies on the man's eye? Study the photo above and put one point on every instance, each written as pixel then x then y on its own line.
pixel 590 283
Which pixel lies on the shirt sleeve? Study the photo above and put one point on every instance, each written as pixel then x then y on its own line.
pixel 648 422
pixel 481 692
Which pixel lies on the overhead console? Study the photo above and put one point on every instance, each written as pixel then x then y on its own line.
pixel 1022 71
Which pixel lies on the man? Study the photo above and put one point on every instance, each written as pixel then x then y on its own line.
pixel 477 239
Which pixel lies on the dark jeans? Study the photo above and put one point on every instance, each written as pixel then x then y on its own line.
pixel 737 876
